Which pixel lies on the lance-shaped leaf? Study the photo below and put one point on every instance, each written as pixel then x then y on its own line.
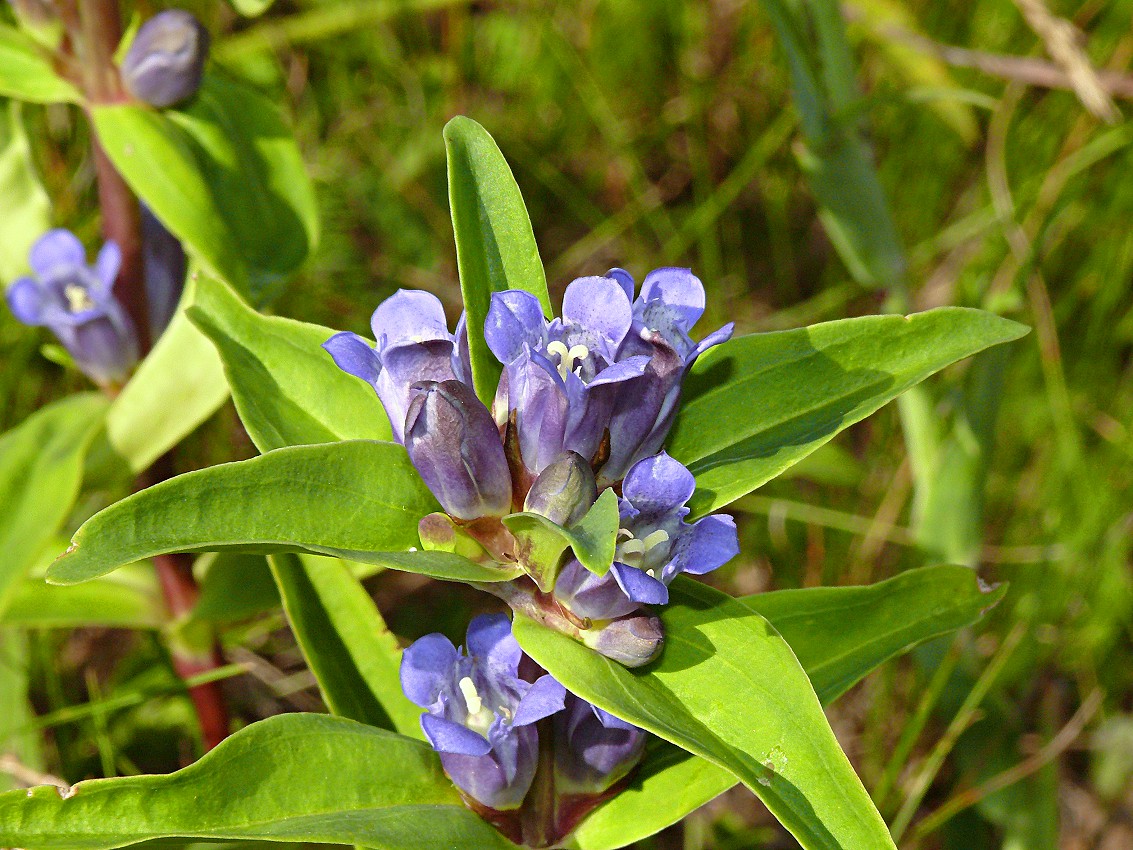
pixel 128 599
pixel 593 539
pixel 757 404
pixel 728 688
pixel 27 209
pixel 295 777
pixel 359 500
pixel 287 389
pixel 26 72
pixel 41 468
pixel 495 246
pixel 839 635
pixel 345 641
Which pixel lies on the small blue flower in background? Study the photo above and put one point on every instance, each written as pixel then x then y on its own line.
pixel 77 304
pixel 413 344
pixel 593 749
pixel 655 544
pixel 671 301
pixel 166 60
pixel 561 377
pixel 479 713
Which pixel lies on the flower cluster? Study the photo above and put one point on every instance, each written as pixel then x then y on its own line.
pixel 584 405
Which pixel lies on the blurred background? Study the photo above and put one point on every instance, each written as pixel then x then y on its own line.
pixel 970 153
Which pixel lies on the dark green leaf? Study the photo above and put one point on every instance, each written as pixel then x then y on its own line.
pixel 26 72
pixel 295 777
pixel 27 209
pixel 345 641
pixel 728 688
pixel 495 246
pixel 357 499
pixel 757 404
pixel 235 585
pixel 839 635
pixel 41 468
pixel 287 389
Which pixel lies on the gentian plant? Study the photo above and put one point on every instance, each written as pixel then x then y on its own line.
pixel 569 464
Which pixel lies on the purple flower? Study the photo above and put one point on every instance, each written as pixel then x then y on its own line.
pixel 593 749
pixel 669 304
pixel 166 60
pixel 655 544
pixel 413 344
pixel 561 377
pixel 479 713
pixel 76 303
pixel 164 263
pixel 455 446
pixel 564 491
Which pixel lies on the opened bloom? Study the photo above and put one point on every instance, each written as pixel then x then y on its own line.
pixel 413 344
pixel 655 544
pixel 76 302
pixel 479 713
pixel 593 749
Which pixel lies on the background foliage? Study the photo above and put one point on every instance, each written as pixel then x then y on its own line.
pixel 654 132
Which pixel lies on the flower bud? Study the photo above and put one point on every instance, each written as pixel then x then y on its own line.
pixel 564 491
pixel 633 641
pixel 455 446
pixel 166 59
pixel 164 266
pixel 593 749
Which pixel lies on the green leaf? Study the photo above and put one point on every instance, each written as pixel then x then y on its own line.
pixel 27 209
pixel 129 599
pixel 345 641
pixel 760 403
pixel 41 468
pixel 839 635
pixel 234 586
pixel 26 72
pixel 225 176
pixel 287 389
pixel 593 539
pixel 182 373
pixel 728 688
pixel 251 8
pixel 294 777
pixel 15 713
pixel 358 499
pixel 495 246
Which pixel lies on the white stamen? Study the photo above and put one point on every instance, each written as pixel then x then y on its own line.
pixel 471 697
pixel 626 533
pixel 656 538
pixel 570 359
pixel 633 547
pixel 651 574
pixel 77 297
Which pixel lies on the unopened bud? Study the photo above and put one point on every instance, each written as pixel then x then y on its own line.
pixel 564 491
pixel 634 640
pixel 456 448
pixel 164 265
pixel 593 749
pixel 166 59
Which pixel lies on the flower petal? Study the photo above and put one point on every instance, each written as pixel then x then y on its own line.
pixel 490 639
pixel 679 290
pixel 449 737
pixel 543 698
pixel 715 338
pixel 107 265
pixel 599 306
pixel 710 543
pixel 426 667
pixel 658 485
pixel 55 248
pixel 624 279
pixel 408 316
pixel 515 321
pixel 623 370
pixel 354 356
pixel 25 298
pixel 639 586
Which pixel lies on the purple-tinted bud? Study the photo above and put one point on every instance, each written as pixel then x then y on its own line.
pixel 164 265
pixel 166 60
pixel 564 491
pixel 76 302
pixel 633 641
pixel 593 749
pixel 455 446
pixel 479 713
pixel 35 13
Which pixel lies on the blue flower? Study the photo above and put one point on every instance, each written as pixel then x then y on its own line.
pixel 77 304
pixel 655 544
pixel 166 60
pixel 479 713
pixel 413 344
pixel 671 301
pixel 561 377
pixel 593 749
